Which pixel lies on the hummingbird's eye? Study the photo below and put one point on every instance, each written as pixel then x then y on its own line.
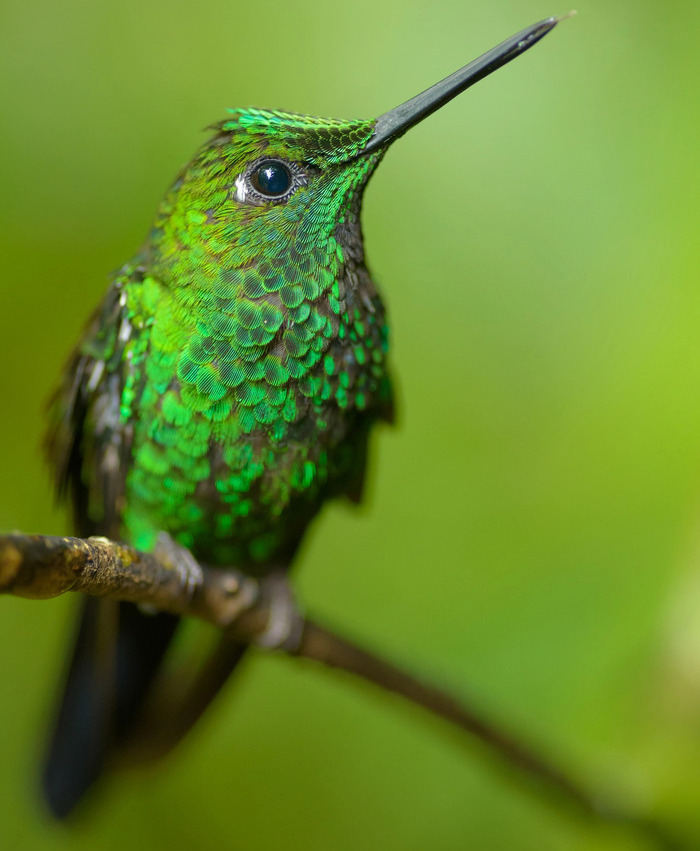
pixel 272 179
pixel 267 182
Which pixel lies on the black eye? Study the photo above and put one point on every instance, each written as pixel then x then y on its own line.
pixel 272 179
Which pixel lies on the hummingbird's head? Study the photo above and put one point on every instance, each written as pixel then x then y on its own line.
pixel 284 181
pixel 270 182
pixel 272 187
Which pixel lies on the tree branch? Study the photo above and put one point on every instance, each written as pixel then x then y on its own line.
pixel 41 567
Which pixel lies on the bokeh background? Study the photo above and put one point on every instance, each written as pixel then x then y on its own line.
pixel 532 532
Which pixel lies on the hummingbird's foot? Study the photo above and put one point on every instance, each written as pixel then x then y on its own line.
pixel 181 560
pixel 286 621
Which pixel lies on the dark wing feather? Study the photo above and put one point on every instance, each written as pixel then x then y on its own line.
pixel 87 444
pixel 353 484
pixel 118 649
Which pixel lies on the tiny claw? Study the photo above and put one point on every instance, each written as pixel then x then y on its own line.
pixel 231 585
pixel 181 559
pixel 285 621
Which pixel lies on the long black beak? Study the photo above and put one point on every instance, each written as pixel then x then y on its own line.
pixel 397 121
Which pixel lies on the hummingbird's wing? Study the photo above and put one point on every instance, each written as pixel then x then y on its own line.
pixel 118 649
pixel 87 444
pixel 383 409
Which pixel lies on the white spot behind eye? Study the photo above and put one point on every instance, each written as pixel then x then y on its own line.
pixel 241 189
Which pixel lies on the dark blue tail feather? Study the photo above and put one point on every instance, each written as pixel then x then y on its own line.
pixel 117 653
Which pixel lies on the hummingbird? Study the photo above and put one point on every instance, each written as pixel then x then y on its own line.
pixel 226 387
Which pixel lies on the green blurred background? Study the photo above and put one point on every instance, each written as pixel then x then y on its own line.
pixel 532 532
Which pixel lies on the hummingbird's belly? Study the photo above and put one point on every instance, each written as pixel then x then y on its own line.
pixel 241 501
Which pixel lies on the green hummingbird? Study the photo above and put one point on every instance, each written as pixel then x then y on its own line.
pixel 226 387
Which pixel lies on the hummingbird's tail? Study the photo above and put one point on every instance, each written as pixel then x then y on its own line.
pixel 117 653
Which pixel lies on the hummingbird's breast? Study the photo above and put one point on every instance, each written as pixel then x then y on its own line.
pixel 254 402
